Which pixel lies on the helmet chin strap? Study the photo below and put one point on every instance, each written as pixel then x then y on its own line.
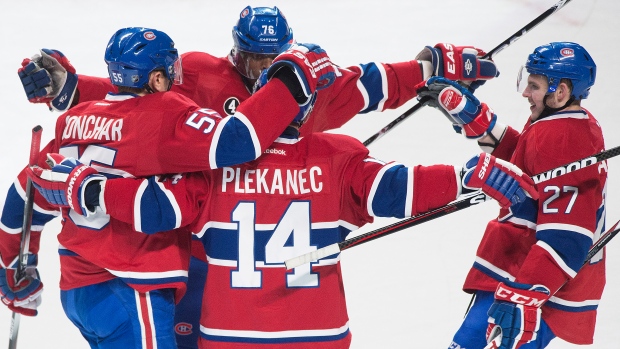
pixel 550 111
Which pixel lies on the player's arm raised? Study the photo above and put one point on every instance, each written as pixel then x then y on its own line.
pixel 48 77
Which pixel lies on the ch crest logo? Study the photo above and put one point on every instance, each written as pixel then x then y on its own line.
pixel 230 106
pixel 183 328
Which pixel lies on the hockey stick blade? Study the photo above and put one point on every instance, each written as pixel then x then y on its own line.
pixel 463 203
pixel 22 262
pixel 496 337
pixel 514 37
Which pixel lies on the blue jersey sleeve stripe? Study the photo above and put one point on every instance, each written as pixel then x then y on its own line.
pixel 13 212
pixel 389 198
pixel 566 227
pixel 375 186
pixel 570 242
pixel 492 270
pixel 374 80
pixel 235 141
pixel 523 214
pixel 155 208
pixel 173 204
pixel 569 265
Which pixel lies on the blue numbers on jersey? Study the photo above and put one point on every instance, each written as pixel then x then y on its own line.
pixel 290 238
pixel 203 119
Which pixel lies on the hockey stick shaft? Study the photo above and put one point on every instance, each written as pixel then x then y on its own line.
pixel 514 37
pixel 22 262
pixel 496 339
pixel 442 211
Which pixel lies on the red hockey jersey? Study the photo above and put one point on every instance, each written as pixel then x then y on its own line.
pixel 546 242
pixel 214 82
pixel 301 195
pixel 123 136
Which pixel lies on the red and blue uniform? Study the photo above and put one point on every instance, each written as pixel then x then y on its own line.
pixel 214 82
pixel 546 242
pixel 127 136
pixel 301 195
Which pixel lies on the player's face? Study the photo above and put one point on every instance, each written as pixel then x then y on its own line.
pixel 256 63
pixel 535 91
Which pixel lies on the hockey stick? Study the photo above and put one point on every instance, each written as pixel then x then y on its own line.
pixel 22 262
pixel 514 37
pixel 496 335
pixel 471 200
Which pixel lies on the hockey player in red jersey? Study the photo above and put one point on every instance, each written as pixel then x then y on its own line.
pixel 302 194
pixel 222 83
pixel 536 250
pixel 119 286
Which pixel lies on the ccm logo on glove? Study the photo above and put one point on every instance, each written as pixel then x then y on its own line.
pixel 509 295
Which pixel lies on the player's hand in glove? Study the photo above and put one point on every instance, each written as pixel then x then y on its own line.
pixel 499 179
pixel 304 69
pixel 21 296
pixel 462 63
pixel 515 314
pixel 468 116
pixel 68 183
pixel 49 78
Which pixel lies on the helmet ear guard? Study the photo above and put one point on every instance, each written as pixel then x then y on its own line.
pixel 564 60
pixel 133 53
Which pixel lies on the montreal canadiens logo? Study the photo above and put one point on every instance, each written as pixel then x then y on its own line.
pixel 183 328
pixel 149 36
pixel 244 13
pixel 567 52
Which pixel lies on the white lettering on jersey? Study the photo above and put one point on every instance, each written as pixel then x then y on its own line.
pixel 93 127
pixel 272 181
pixel 562 170
pixel 275 151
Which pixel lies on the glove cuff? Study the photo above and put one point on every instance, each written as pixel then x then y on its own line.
pixel 90 193
pixel 427 69
pixel 63 101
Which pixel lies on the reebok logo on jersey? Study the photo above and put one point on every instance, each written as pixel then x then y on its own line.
pixel 275 151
